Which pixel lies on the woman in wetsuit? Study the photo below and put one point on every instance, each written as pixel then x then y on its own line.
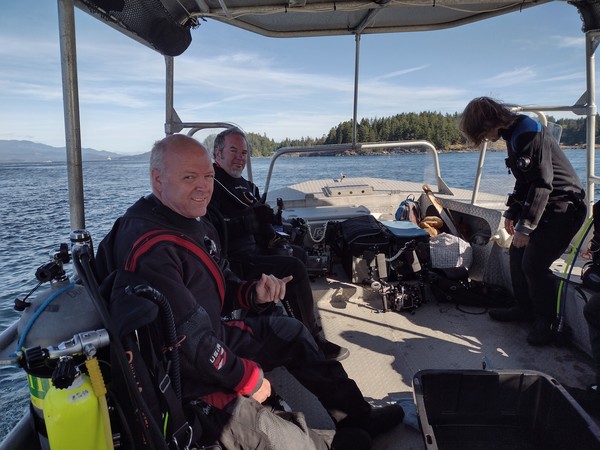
pixel 545 210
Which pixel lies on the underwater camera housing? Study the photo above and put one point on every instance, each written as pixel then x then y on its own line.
pixel 51 271
pixel 318 252
pixel 54 269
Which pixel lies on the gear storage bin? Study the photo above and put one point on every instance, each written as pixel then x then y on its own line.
pixel 500 410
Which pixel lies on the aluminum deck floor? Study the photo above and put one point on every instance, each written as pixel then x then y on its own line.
pixel 387 349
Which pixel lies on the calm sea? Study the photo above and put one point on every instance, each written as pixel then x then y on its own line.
pixel 34 218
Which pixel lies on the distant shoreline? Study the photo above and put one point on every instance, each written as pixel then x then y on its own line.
pixel 497 147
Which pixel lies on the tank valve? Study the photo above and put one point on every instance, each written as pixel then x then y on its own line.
pixel 64 373
pixel 34 358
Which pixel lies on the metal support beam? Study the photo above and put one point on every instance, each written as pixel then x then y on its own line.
pixel 591 44
pixel 68 59
pixel 172 120
pixel 356 69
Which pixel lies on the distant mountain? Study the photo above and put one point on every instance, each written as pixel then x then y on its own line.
pixel 12 151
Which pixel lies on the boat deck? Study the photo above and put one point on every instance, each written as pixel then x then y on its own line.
pixel 388 348
pixel 384 194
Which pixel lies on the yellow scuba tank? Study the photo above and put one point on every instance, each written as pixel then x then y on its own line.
pixel 71 410
pixel 54 315
pixel 73 417
pixel 70 312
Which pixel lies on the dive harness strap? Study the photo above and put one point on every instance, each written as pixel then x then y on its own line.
pixel 182 433
pixel 179 433
pixel 156 237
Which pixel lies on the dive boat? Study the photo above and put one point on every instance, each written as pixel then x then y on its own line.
pixel 397 343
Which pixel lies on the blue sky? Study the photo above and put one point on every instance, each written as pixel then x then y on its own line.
pixel 281 88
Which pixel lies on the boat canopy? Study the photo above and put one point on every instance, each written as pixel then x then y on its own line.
pixel 165 24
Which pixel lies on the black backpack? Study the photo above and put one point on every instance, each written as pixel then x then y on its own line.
pixel 146 328
pixel 452 285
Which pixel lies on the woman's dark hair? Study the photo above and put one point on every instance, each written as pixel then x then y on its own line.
pixel 482 115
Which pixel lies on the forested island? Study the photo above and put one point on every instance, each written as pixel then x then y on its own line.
pixel 439 129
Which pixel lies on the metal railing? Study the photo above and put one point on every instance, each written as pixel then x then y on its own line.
pixel 339 148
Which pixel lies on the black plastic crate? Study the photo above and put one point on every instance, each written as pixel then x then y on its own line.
pixel 500 410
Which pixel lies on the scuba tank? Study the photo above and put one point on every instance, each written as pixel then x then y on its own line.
pixel 73 416
pixel 54 315
pixel 74 408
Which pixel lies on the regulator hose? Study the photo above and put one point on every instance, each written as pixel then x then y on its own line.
pixel 564 282
pixel 39 312
pixel 83 266
pixel 170 331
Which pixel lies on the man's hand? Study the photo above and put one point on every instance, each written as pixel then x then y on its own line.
pixel 270 288
pixel 263 392
pixel 520 240
pixel 509 226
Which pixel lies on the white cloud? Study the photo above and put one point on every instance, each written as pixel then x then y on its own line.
pixel 399 73
pixel 577 42
pixel 284 88
pixel 511 77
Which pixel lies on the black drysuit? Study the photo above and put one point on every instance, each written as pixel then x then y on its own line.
pixel 547 204
pixel 248 229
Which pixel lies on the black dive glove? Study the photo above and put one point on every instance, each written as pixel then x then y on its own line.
pixel 264 213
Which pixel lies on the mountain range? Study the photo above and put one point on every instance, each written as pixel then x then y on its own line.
pixel 12 151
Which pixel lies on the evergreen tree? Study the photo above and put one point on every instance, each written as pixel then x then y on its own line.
pixel 439 129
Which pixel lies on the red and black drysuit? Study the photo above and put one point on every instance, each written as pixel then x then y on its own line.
pixel 221 361
pixel 547 205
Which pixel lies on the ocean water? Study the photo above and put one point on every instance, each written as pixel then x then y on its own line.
pixel 34 217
